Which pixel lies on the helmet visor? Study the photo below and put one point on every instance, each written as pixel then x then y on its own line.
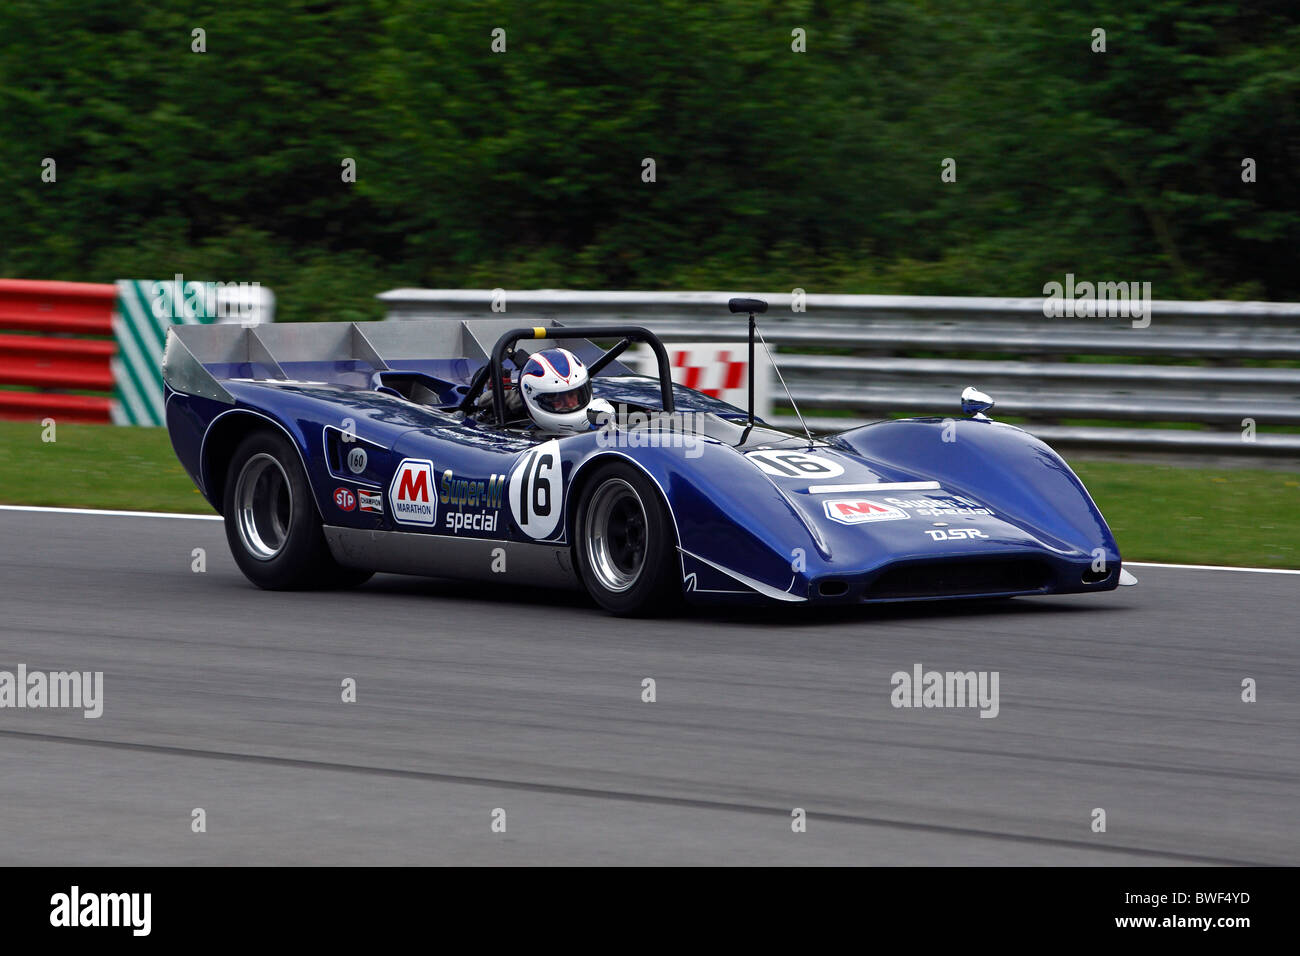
pixel 561 403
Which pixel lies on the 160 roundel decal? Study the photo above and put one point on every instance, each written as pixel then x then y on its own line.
pixel 536 493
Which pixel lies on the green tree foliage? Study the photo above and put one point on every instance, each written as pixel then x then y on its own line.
pixel 774 168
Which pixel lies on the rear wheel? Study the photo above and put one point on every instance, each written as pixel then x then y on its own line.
pixel 625 545
pixel 272 524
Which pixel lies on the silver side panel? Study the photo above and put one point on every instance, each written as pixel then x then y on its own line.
pixel 438 556
pixel 380 344
pixel 182 371
pixel 416 340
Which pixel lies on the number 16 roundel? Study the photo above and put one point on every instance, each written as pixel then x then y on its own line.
pixel 535 493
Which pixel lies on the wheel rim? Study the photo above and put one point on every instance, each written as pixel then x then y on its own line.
pixel 263 506
pixel 615 535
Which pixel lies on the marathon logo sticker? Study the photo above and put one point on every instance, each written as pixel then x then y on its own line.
pixel 370 501
pixel 411 492
pixel 472 505
pixel 955 506
pixel 345 499
pixel 861 511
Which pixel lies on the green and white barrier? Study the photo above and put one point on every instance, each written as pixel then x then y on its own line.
pixel 145 309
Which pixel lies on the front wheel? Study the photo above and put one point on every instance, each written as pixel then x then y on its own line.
pixel 625 543
pixel 272 524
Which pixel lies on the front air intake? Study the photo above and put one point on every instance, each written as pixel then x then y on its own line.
pixel 947 578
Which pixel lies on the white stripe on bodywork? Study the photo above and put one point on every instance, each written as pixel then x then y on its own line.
pixel 878 486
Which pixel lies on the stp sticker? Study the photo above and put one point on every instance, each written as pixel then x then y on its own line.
pixel 860 511
pixel 370 501
pixel 411 492
pixel 345 499
pixel 357 460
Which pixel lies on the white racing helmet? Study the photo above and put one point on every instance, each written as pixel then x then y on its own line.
pixel 556 390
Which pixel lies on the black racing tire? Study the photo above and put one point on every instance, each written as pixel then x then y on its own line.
pixel 625 545
pixel 272 523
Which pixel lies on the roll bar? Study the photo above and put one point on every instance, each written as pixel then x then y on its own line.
pixel 626 334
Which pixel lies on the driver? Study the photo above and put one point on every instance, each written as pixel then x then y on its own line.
pixel 557 392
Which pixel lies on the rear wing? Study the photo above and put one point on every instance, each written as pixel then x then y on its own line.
pixel 198 358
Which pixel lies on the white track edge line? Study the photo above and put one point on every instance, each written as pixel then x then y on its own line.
pixel 116 514
pixel 1208 567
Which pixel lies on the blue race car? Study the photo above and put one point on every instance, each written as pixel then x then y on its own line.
pixel 477 450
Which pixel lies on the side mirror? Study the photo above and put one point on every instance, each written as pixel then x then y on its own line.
pixel 974 402
pixel 747 305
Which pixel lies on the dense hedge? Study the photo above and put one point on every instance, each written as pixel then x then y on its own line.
pixel 774 168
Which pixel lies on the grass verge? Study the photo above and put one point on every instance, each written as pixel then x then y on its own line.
pixel 94 466
pixel 1198 515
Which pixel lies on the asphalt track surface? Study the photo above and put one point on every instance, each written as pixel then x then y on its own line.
pixel 227 698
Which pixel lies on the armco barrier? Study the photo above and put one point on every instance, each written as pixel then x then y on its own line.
pixel 54 352
pixel 1191 378
pixel 59 340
